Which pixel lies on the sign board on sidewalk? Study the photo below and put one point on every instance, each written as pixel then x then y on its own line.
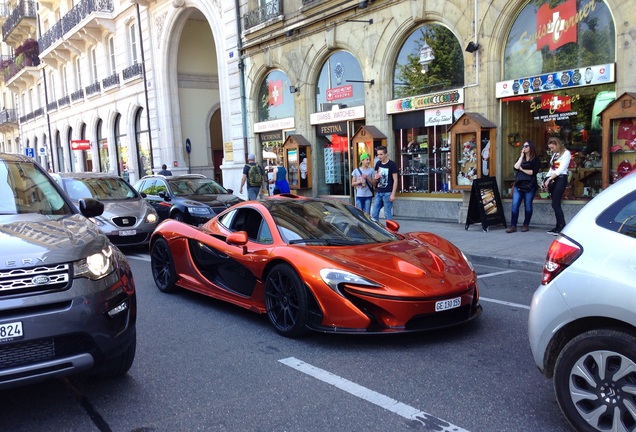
pixel 485 204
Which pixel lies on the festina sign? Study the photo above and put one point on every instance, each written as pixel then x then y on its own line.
pixel 80 145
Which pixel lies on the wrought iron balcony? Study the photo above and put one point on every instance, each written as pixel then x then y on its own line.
pixel 271 9
pixel 110 81
pixel 132 71
pixel 75 96
pixel 24 9
pixel 93 88
pixel 51 106
pixel 63 101
pixel 8 116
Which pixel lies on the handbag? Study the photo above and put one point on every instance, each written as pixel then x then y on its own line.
pixel 369 185
pixel 523 185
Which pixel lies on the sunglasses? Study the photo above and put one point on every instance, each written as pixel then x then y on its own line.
pixel 526 145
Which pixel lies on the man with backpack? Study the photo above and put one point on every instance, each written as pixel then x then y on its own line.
pixel 254 176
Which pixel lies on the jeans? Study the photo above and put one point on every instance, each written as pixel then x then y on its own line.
pixel 252 192
pixel 364 204
pixel 517 197
pixel 382 200
pixel 560 183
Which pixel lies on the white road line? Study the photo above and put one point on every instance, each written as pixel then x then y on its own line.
pixel 406 411
pixel 139 257
pixel 486 299
pixel 495 274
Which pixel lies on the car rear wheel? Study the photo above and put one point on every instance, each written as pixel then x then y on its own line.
pixel 595 381
pixel 162 265
pixel 286 301
pixel 178 216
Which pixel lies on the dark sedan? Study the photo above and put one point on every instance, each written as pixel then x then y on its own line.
pixel 190 198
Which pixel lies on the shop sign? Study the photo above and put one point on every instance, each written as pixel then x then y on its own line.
pixel 344 114
pixel 272 125
pixel 553 107
pixel 414 103
pixel 592 75
pixel 332 129
pixel 438 116
pixel 341 92
pixel 271 136
pixel 557 26
pixel 228 151
pixel 275 92
pixel 80 145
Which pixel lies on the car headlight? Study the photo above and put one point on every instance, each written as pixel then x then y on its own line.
pixel 335 277
pixel 200 210
pixel 151 218
pixel 96 266
pixel 470 264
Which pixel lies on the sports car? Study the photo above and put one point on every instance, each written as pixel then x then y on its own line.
pixel 317 264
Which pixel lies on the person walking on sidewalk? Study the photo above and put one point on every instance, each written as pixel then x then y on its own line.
pixel 254 176
pixel 386 185
pixel 362 179
pixel 557 180
pixel 165 171
pixel 525 187
pixel 280 180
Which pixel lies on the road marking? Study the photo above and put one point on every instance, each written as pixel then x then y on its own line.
pixel 138 257
pixel 486 299
pixel 495 274
pixel 430 422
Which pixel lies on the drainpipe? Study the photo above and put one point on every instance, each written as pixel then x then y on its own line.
pixel 143 69
pixel 241 67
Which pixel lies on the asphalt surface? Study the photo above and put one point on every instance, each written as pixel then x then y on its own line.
pixel 496 247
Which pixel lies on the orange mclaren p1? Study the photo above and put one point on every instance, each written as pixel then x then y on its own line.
pixel 318 264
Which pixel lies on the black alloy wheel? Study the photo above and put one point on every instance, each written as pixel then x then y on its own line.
pixel 286 301
pixel 162 265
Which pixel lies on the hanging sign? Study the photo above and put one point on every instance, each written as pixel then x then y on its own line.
pixel 80 145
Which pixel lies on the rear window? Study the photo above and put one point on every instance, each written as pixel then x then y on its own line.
pixel 620 216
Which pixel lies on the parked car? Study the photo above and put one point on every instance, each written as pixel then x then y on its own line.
pixel 67 295
pixel 582 324
pixel 318 264
pixel 128 220
pixel 189 198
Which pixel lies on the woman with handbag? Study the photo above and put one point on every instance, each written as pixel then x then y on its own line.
pixel 526 169
pixel 363 180
pixel 557 179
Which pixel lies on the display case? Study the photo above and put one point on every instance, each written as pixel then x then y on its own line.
pixel 473 152
pixel 619 140
pixel 297 161
pixel 366 139
pixel 414 167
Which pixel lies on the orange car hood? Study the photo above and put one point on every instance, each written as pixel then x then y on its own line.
pixel 420 264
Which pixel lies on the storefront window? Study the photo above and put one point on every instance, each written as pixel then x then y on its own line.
pixel 559 72
pixel 275 101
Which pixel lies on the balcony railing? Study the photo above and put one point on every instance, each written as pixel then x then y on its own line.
pixel 93 88
pixel 51 106
pixel 24 9
pixel 79 12
pixel 5 12
pixel 271 9
pixel 8 116
pixel 132 71
pixel 75 96
pixel 63 101
pixel 110 81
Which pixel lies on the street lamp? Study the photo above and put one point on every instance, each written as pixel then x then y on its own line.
pixel 426 57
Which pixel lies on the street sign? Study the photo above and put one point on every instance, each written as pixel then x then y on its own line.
pixel 30 152
pixel 80 145
pixel 42 151
pixel 188 146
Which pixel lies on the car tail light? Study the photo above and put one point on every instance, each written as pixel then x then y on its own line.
pixel 561 254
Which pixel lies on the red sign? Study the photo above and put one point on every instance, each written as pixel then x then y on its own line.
pixel 339 92
pixel 275 90
pixel 556 27
pixel 80 145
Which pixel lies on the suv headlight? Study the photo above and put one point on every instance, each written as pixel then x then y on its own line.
pixel 96 266
pixel 199 210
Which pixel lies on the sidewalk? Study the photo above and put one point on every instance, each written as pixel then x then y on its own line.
pixel 520 250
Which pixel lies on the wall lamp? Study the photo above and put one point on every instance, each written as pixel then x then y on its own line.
pixel 291 32
pixel 369 21
pixel 472 47
pixel 370 82
pixel 363 4
pixel 293 89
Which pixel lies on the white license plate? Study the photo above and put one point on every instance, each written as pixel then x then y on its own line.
pixel 448 304
pixel 127 232
pixel 11 331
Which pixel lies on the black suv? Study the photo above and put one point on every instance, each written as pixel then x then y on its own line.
pixel 190 198
pixel 67 295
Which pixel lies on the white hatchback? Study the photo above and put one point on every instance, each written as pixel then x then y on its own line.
pixel 582 324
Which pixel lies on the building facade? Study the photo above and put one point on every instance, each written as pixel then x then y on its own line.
pixel 127 86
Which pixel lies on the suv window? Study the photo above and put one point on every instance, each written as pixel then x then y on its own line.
pixel 620 216
pixel 153 187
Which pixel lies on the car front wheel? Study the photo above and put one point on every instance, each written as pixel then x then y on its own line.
pixel 286 301
pixel 595 381
pixel 162 265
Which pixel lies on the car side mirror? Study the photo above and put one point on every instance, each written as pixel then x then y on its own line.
pixel 392 226
pixel 238 239
pixel 230 191
pixel 163 195
pixel 90 207
pixel 143 194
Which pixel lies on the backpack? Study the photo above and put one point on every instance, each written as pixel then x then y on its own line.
pixel 255 176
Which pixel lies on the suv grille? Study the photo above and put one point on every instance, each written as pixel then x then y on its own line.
pixel 35 279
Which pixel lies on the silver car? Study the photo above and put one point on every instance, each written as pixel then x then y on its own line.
pixel 582 324
pixel 128 220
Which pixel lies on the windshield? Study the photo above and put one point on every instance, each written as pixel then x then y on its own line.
pixel 102 189
pixel 196 186
pixel 327 223
pixel 24 188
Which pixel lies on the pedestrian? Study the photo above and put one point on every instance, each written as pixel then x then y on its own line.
pixel 386 176
pixel 556 179
pixel 280 180
pixel 271 180
pixel 363 178
pixel 254 176
pixel 165 171
pixel 525 187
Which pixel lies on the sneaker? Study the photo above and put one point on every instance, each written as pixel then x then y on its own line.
pixel 511 229
pixel 525 228
pixel 555 231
